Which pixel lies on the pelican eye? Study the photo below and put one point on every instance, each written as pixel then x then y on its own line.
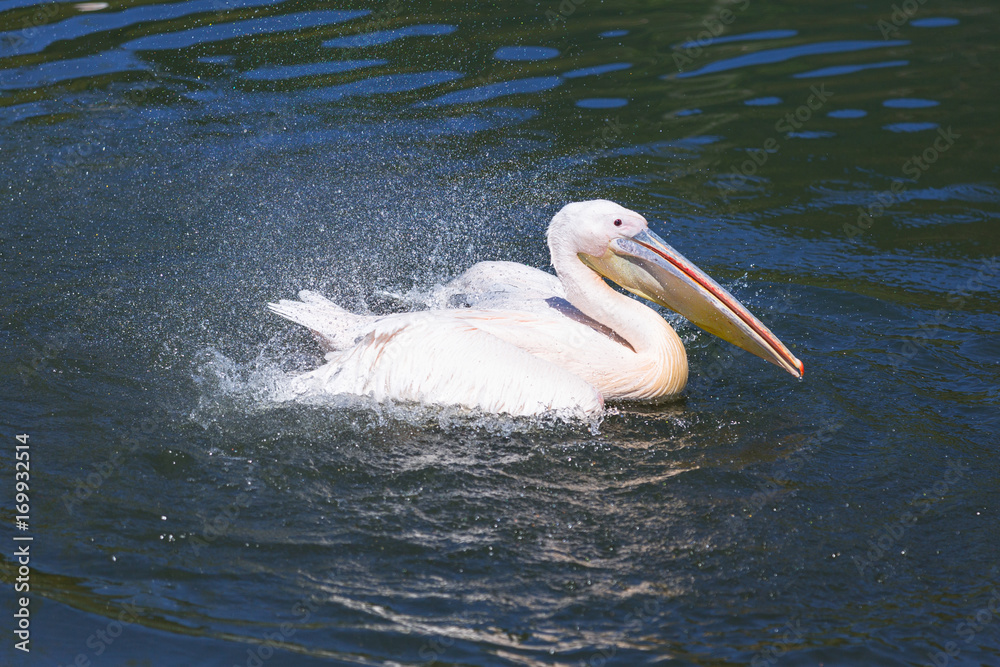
pixel 618 223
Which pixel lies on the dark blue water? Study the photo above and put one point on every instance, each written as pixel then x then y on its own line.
pixel 168 169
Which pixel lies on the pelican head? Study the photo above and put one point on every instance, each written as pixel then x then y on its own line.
pixel 618 244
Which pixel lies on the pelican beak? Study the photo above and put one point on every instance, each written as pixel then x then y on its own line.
pixel 646 266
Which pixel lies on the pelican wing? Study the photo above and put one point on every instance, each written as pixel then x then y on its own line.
pixel 500 286
pixel 431 357
pixel 334 327
pixel 584 348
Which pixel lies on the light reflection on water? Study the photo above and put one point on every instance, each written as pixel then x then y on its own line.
pixel 170 168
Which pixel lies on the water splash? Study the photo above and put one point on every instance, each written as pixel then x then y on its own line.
pixel 230 390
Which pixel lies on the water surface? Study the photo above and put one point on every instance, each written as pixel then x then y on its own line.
pixel 169 168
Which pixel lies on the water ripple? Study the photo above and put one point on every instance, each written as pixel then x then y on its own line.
pixel 909 103
pixel 771 56
pixel 745 37
pixel 848 113
pixel 388 36
pixel 941 22
pixel 390 83
pixel 839 70
pixel 277 73
pixel 495 90
pixel 762 101
pixel 525 53
pixel 596 70
pixel 910 127
pixel 18 112
pixel 58 71
pixel 602 102
pixel 88 24
pixel 223 31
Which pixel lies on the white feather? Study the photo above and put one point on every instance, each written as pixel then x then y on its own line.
pixel 432 358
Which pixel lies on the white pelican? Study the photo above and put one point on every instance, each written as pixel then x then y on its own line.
pixel 507 338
